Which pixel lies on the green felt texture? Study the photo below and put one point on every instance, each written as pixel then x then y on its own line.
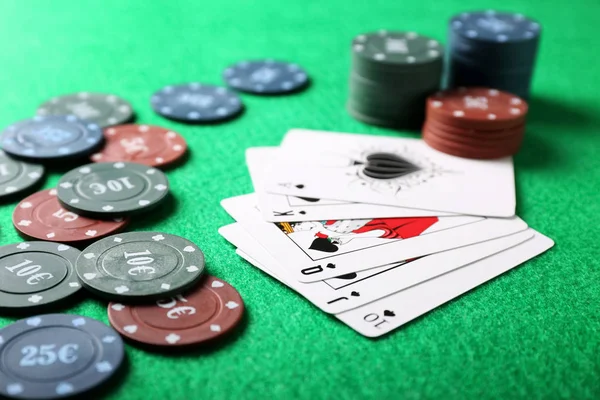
pixel 532 333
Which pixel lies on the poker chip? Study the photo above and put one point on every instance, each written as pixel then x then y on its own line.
pixel 140 265
pixel 34 274
pixel 108 190
pixel 209 311
pixel 144 144
pixel 17 176
pixel 477 107
pixel 268 77
pixel 196 103
pixel 51 138
pixel 392 75
pixel 41 216
pixel 492 49
pixel 99 108
pixel 477 123
pixel 55 356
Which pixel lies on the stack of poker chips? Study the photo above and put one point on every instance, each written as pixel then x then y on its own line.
pixel 392 75
pixel 492 49
pixel 478 123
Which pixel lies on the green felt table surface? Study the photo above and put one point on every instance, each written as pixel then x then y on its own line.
pixel 532 333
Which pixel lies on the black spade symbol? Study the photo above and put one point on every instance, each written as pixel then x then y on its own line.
pixel 330 265
pixel 387 166
pixel 389 313
pixel 302 212
pixel 351 275
pixel 300 186
pixel 355 294
pixel 322 244
pixel 309 199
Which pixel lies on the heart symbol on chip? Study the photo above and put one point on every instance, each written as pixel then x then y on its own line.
pixel 118 307
pixel 35 299
pixel 24 222
pixel 50 235
pixel 109 339
pixel 26 205
pixel 103 367
pixel 14 388
pixel 119 165
pixel 10 189
pixel 108 208
pixel 130 329
pixel 192 268
pixel 143 202
pixel 160 187
pixel 62 247
pixel 74 201
pixel 121 289
pixel 215 328
pixel 89 256
pixel 74 284
pixel 217 284
pixel 158 237
pixel 165 286
pixel 64 388
pixel 231 305
pixel 189 249
pixel 91 233
pixel 52 192
pixel 89 276
pixel 78 322
pixel 35 321
pixel 85 170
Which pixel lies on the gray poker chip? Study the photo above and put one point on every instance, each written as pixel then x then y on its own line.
pixel 196 103
pixel 53 137
pixel 17 176
pixel 55 356
pixel 266 77
pixel 397 48
pixel 102 109
pixel 140 265
pixel 108 190
pixel 495 26
pixel 34 274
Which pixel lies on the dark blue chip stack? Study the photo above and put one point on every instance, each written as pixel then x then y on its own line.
pixel 492 49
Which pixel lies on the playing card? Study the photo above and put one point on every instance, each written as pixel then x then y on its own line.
pixel 389 171
pixel 384 315
pixel 318 250
pixel 346 292
pixel 282 208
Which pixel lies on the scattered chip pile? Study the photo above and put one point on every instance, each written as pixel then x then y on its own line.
pixel 156 283
pixel 492 49
pixel 478 123
pixel 392 75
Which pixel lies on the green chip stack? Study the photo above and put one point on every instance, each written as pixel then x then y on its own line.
pixel 392 75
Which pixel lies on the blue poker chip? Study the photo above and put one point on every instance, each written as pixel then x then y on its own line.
pixel 52 137
pixel 495 26
pixel 55 356
pixel 196 103
pixel 266 77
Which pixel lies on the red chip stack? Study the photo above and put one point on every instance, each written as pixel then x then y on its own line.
pixel 480 123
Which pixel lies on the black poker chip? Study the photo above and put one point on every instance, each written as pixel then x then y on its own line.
pixel 55 356
pixel 196 103
pixel 268 77
pixel 35 274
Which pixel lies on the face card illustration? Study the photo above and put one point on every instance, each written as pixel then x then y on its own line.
pixel 346 292
pixel 318 250
pixel 389 171
pixel 282 208
pixel 384 315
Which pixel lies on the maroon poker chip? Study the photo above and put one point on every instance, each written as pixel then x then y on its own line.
pixel 41 216
pixel 209 311
pixel 143 144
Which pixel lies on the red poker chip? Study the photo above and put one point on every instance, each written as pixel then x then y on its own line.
pixel 144 144
pixel 209 311
pixel 481 140
pixel 467 150
pixel 476 133
pixel 478 108
pixel 41 216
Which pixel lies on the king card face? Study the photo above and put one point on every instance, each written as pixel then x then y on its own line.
pixel 389 171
